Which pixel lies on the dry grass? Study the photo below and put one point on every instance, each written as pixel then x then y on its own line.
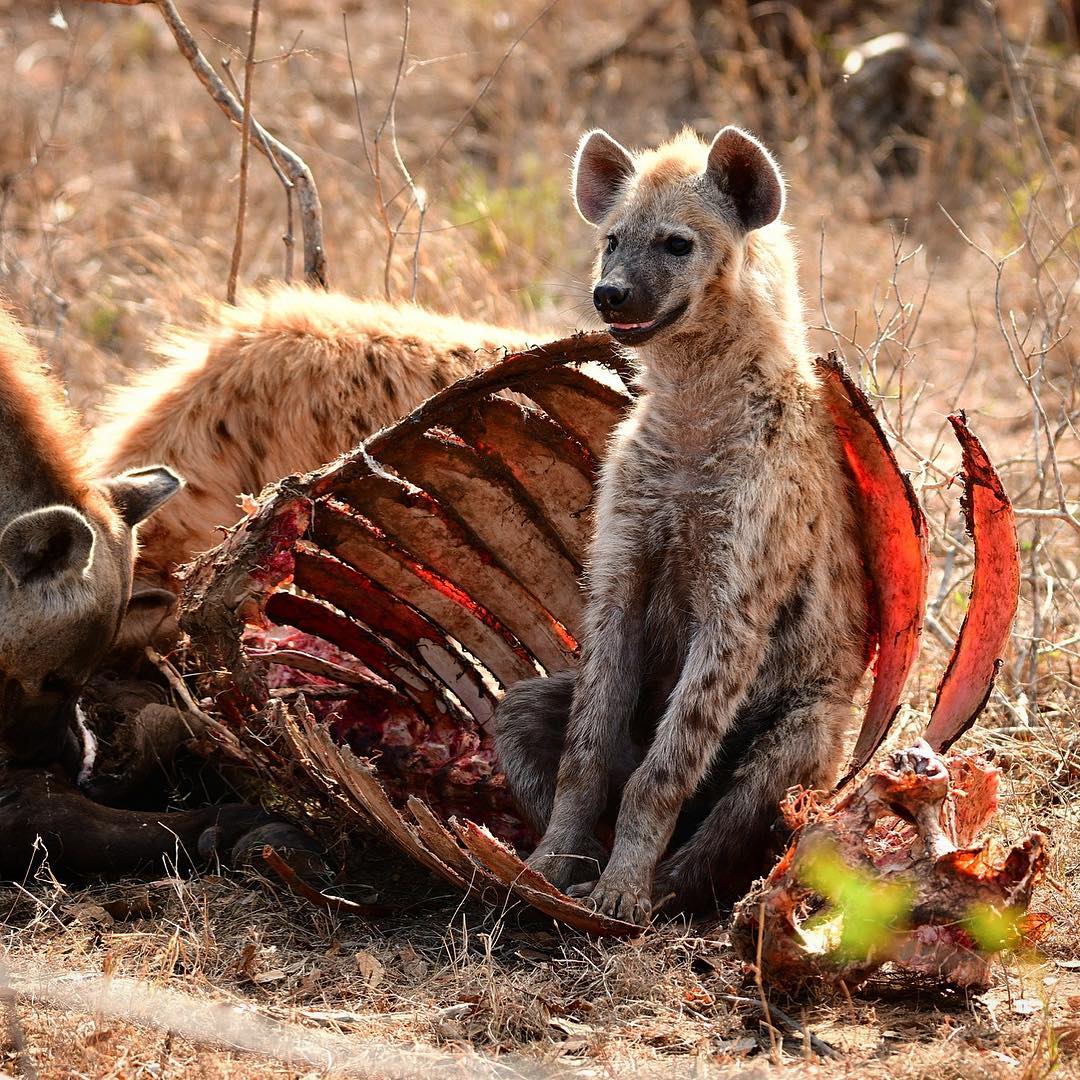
pixel 118 212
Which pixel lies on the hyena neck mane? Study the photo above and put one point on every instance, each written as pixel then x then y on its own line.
pixel 38 433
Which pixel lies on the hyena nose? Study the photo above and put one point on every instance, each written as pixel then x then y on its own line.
pixel 609 298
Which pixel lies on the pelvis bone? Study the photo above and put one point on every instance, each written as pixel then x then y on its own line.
pixel 369 614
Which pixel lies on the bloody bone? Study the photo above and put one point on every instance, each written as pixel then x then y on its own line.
pixel 995 589
pixel 389 569
pixel 952 887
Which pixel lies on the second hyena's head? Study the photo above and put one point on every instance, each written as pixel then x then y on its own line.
pixel 65 581
pixel 673 223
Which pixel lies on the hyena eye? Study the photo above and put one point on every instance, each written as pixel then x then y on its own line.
pixel 678 245
pixel 612 243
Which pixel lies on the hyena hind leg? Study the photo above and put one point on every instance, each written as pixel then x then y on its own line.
pixel 530 729
pixel 530 733
pixel 739 837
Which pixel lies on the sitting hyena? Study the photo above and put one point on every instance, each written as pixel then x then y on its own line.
pixel 67 548
pixel 284 383
pixel 725 620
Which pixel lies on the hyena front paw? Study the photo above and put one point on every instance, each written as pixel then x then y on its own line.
pixel 565 865
pixel 622 897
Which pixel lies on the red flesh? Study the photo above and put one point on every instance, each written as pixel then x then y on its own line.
pixel 995 589
pixel 895 551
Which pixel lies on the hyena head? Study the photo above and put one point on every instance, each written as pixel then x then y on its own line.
pixel 65 581
pixel 674 225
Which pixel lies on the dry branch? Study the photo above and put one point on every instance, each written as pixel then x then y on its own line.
pixel 245 143
pixel 336 905
pixel 293 165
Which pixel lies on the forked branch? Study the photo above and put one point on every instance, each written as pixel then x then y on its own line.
pixel 294 166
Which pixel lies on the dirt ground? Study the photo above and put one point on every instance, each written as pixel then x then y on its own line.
pixel 152 978
pixel 934 208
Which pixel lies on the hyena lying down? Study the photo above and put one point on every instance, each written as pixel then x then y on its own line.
pixel 285 382
pixel 725 616
pixel 66 553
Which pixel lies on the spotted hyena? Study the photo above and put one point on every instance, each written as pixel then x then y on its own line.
pixel 724 634
pixel 282 383
pixel 67 548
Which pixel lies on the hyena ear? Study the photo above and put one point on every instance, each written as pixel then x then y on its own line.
pixel 745 171
pixel 600 167
pixel 138 493
pixel 46 545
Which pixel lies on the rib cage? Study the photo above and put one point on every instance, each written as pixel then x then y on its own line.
pixel 404 586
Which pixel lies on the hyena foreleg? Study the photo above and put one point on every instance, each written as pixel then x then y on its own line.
pixel 719 668
pixel 739 837
pixel 529 739
pixel 598 729
pixel 530 730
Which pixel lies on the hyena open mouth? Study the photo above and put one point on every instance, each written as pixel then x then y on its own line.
pixel 639 333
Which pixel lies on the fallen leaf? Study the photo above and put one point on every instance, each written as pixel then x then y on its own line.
pixel 570 1027
pixel 745 1045
pixel 1027 1006
pixel 1068 1038
pixel 572 1046
pixel 532 954
pixel 370 969
pixel 245 965
pixel 92 914
pixel 135 905
pixel 269 976
pixel 412 963
pixel 698 996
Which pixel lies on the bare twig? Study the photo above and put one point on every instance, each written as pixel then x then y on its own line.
pixel 373 156
pixel 791 1026
pixel 763 1003
pixel 390 117
pixel 483 90
pixel 295 167
pixel 245 143
pixel 288 238
pixel 336 905
pixel 225 737
pixel 388 206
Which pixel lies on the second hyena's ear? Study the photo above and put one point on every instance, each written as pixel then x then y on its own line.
pixel 137 493
pixel 49 544
pixel 600 167
pixel 745 171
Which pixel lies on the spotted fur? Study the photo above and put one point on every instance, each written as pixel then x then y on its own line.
pixel 725 602
pixel 281 384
